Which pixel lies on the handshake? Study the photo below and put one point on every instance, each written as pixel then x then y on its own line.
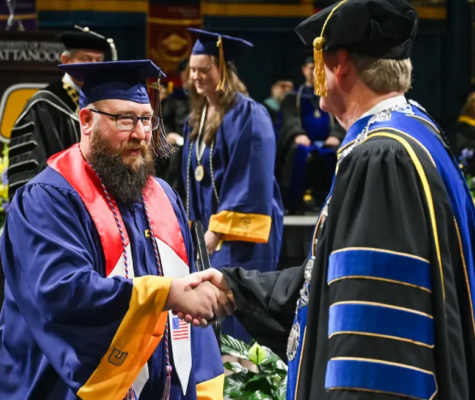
pixel 201 298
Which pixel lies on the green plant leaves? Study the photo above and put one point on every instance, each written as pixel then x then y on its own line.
pixel 269 383
pixel 234 347
pixel 257 354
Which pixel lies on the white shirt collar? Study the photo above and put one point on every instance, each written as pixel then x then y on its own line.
pixel 385 104
pixel 68 79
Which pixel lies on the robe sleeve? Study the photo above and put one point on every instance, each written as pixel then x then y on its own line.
pixel 381 284
pixel 40 133
pixel 207 363
pixel 266 303
pixel 247 190
pixel 94 331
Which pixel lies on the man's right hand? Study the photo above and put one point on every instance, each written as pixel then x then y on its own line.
pixel 303 140
pixel 225 298
pixel 196 297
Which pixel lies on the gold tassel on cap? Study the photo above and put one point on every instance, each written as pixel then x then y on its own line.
pixel 320 83
pixel 222 66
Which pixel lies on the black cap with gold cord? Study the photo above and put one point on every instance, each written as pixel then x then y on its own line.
pixel 383 29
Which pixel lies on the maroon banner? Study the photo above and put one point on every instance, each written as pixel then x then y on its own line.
pixel 169 40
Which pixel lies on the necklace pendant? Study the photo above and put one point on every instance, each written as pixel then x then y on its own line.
pixel 293 341
pixel 199 173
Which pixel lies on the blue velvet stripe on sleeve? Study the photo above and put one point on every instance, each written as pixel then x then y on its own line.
pixel 380 377
pixel 380 320
pixel 379 264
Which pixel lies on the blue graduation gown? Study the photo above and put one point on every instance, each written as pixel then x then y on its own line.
pixel 61 313
pixel 249 212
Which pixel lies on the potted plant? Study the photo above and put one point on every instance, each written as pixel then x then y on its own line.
pixel 268 383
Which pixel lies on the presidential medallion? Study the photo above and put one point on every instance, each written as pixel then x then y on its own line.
pixel 199 173
pixel 293 342
pixel 317 113
pixel 309 269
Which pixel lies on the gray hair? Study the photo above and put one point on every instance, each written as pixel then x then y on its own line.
pixel 69 53
pixel 383 75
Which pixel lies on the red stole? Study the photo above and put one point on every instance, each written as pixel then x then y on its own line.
pixel 72 166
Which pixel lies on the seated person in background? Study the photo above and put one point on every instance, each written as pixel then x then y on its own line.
pixel 465 136
pixel 282 85
pixel 308 140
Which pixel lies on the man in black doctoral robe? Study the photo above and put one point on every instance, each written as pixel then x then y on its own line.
pixel 384 300
pixel 49 122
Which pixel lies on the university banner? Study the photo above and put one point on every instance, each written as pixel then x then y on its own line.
pixel 28 62
pixel 18 15
pixel 168 39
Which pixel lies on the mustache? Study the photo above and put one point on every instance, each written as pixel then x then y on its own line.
pixel 134 145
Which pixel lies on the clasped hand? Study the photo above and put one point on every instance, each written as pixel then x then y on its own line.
pixel 200 298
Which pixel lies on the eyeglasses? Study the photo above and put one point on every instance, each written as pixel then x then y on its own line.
pixel 127 122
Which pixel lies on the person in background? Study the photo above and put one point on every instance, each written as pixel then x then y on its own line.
pixel 465 136
pixel 228 164
pixel 281 86
pixel 175 109
pixel 49 123
pixel 306 148
pixel 97 253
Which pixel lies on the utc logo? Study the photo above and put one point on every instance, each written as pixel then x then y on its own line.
pixel 117 357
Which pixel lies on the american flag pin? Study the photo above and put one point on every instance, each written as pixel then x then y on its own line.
pixel 180 329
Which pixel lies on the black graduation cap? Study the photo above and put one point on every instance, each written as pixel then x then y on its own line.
pixel 224 47
pixel 86 39
pixel 377 28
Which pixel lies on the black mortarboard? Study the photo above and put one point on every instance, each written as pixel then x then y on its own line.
pixel 222 46
pixel 86 39
pixel 376 28
pixel 82 40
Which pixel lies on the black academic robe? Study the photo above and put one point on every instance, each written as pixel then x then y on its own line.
pixel 48 124
pixel 378 202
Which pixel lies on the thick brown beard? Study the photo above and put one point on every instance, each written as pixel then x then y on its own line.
pixel 126 180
